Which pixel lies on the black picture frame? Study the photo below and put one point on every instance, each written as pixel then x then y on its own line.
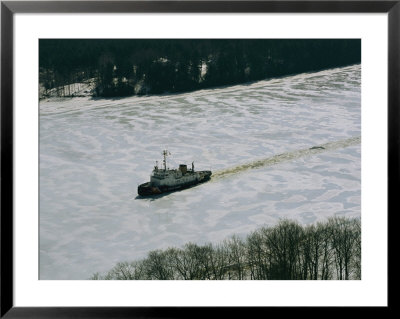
pixel 9 8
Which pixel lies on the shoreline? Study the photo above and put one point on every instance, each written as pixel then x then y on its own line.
pixel 174 94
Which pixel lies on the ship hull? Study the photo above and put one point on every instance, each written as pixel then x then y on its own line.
pixel 146 189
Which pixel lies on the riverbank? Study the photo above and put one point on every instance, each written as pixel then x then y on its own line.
pixel 288 251
pixel 155 66
pixel 86 89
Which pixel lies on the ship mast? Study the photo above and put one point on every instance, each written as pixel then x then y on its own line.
pixel 165 154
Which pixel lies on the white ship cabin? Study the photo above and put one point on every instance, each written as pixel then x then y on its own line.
pixel 172 177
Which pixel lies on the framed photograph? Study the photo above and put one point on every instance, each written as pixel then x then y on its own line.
pixel 165 157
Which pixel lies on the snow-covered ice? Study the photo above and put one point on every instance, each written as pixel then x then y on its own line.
pixel 95 152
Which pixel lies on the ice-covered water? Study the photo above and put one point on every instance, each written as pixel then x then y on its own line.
pixel 256 138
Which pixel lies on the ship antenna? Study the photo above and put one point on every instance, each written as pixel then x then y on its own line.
pixel 165 153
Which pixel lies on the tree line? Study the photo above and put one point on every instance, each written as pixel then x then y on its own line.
pixel 328 250
pixel 124 67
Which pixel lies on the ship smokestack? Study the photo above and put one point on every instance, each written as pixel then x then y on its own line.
pixel 183 168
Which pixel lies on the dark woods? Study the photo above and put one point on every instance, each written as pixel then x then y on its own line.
pixel 136 67
pixel 324 251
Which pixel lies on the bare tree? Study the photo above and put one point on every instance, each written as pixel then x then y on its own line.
pixel 256 256
pixel 329 250
pixel 344 240
pixel 283 249
pixel 156 266
pixel 219 256
pixel 326 251
pixel 193 262
pixel 306 254
pixel 237 255
pixel 357 249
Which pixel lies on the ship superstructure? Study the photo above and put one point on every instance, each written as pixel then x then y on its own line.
pixel 166 180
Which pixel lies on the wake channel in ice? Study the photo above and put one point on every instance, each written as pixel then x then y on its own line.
pixel 287 156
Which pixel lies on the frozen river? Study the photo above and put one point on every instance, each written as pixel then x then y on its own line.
pixel 255 138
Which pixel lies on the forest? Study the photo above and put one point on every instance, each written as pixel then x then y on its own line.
pixel 126 67
pixel 329 250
